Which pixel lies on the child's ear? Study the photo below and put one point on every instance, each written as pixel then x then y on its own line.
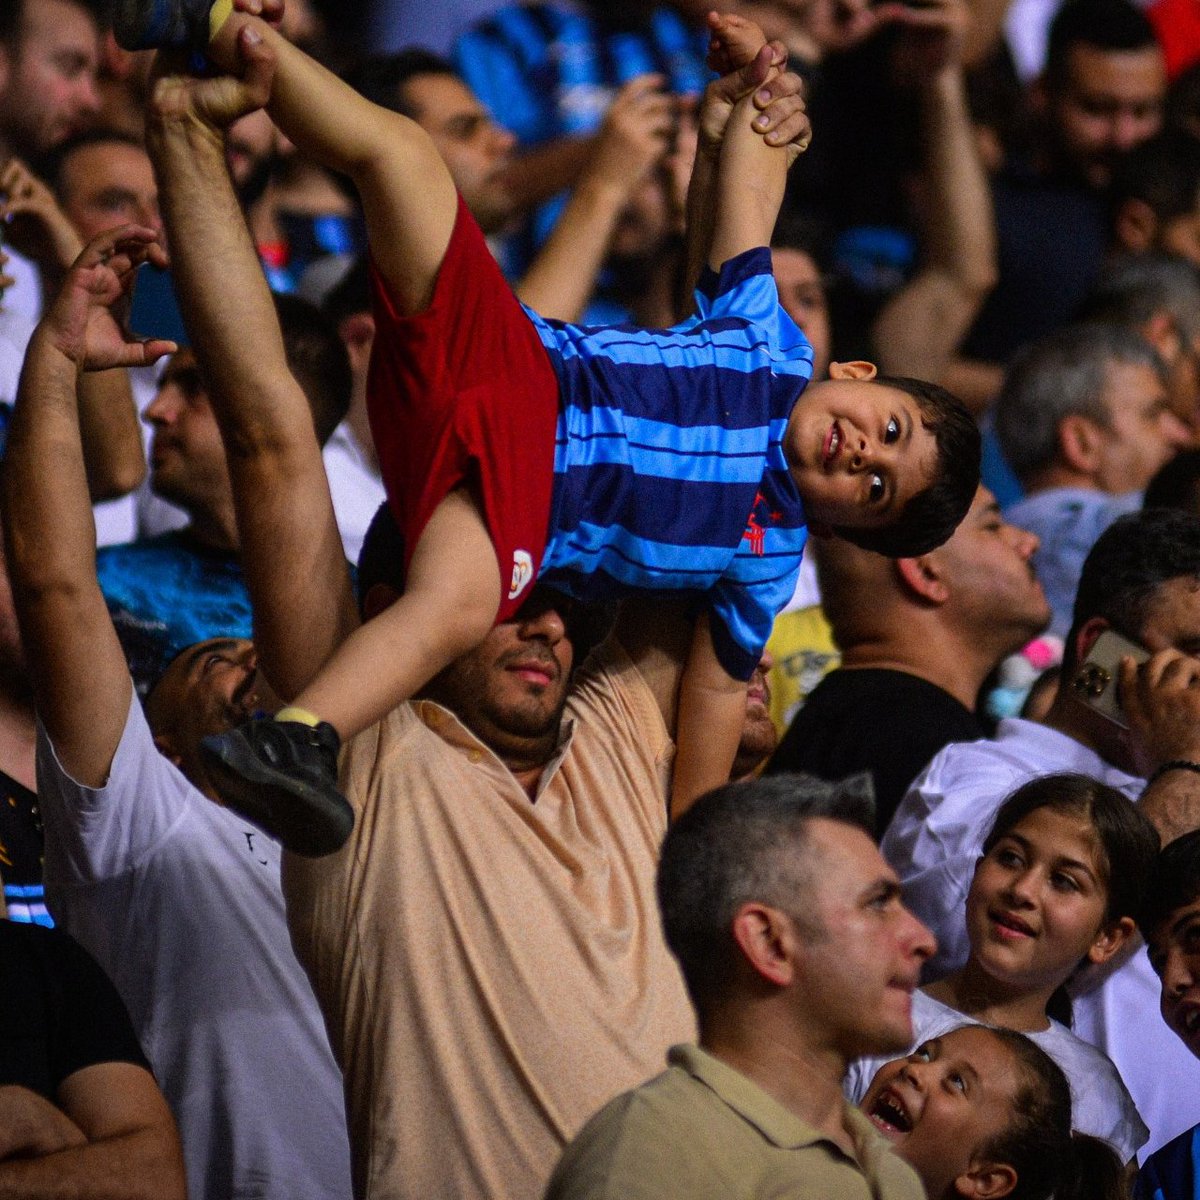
pixel 986 1181
pixel 1111 940
pixel 852 370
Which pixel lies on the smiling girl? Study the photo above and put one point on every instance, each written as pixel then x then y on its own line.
pixel 984 1113
pixel 1061 875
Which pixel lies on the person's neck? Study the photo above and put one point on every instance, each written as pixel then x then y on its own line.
pixel 1078 722
pixel 1060 475
pixel 215 529
pixel 974 993
pixel 956 665
pixel 18 731
pixel 803 1077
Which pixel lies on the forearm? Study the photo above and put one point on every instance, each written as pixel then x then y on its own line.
pixel 701 218
pixel 112 442
pixel 544 171
pixel 751 179
pixel 712 711
pixel 1172 803
pixel 561 279
pixel 144 1165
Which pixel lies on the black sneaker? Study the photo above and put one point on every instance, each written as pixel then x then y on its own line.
pixel 282 775
pixel 161 24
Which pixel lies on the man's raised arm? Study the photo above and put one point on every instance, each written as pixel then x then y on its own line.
pixel 291 551
pixel 80 679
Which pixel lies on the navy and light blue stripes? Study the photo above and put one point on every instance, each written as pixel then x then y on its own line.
pixel 669 463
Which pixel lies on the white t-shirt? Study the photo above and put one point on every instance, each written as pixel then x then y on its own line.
pixel 1100 1103
pixel 355 486
pixel 179 901
pixel 934 841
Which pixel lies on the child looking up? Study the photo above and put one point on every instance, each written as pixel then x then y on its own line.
pixel 1057 888
pixel 982 1112
pixel 517 449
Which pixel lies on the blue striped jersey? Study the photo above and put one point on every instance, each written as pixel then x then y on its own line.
pixel 669 469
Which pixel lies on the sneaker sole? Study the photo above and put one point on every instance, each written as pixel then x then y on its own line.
pixel 305 820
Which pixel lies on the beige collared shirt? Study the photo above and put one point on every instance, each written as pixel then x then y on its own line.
pixel 492 969
pixel 703 1131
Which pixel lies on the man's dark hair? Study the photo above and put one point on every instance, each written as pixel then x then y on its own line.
pixel 795 230
pixel 12 12
pixel 1163 172
pixel 54 163
pixel 1133 288
pixel 318 360
pixel 1107 25
pixel 1130 561
pixel 934 513
pixel 1174 882
pixel 1177 484
pixel 351 294
pixel 739 843
pixel 381 78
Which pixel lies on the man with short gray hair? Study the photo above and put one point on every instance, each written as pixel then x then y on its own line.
pixel 797 955
pixel 1084 421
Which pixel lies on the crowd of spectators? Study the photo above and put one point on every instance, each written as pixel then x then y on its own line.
pixel 932 934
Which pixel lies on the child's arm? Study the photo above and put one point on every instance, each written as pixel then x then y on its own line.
pixel 712 711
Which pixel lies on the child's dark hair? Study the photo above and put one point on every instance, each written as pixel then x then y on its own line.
pixel 1175 882
pixel 1038 1143
pixel 933 514
pixel 1127 841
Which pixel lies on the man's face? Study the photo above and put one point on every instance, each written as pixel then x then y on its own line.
pixel 187 459
pixel 987 565
pixel 1174 950
pixel 759 735
pixel 510 690
pixel 477 151
pixel 858 451
pixel 1142 432
pixel 802 295
pixel 945 1103
pixel 208 688
pixel 1171 618
pixel 109 184
pixel 48 91
pixel 864 959
pixel 1109 102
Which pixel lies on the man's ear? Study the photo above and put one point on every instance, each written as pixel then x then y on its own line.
pixel 1089 631
pixel 767 940
pixel 922 578
pixel 1111 940
pixel 1135 226
pixel 357 332
pixel 852 370
pixel 1079 443
pixel 165 745
pixel 986 1181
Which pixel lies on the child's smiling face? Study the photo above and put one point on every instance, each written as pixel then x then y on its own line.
pixel 858 450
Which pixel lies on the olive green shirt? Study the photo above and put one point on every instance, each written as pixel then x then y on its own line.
pixel 703 1131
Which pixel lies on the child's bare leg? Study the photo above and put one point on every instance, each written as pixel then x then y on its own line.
pixel 408 197
pixel 450 601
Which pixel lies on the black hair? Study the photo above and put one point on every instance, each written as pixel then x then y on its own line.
pixel 1174 882
pixel 1130 561
pixel 934 513
pixel 12 13
pixel 812 235
pixel 381 78
pixel 1163 172
pixel 382 557
pixel 317 359
pixel 55 161
pixel 1176 485
pixel 351 294
pixel 1049 1160
pixel 1107 25
pixel 1127 841
pixel 742 842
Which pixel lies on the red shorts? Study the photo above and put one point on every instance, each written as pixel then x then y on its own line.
pixel 464 393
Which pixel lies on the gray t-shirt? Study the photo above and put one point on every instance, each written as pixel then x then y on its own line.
pixel 179 901
pixel 1100 1104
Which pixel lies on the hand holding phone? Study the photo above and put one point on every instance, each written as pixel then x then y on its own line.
pixel 1096 682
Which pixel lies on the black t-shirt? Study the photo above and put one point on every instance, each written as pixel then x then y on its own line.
pixel 20 834
pixel 58 1011
pixel 886 722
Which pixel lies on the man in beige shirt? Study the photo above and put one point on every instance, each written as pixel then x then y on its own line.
pixel 798 955
pixel 486 948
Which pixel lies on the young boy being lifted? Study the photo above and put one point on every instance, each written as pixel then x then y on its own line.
pixel 596 460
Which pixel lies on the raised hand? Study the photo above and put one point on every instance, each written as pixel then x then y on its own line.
pixel 636 133
pixel 85 321
pixel 35 225
pixel 222 99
